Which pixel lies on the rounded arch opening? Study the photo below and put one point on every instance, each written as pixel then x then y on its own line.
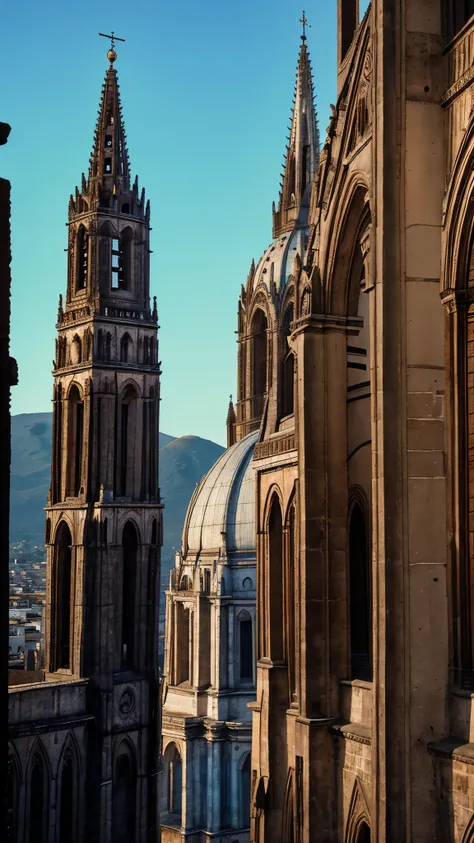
pixel 172 791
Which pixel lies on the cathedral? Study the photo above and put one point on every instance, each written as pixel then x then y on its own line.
pixel 84 732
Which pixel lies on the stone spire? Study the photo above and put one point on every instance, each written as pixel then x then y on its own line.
pixel 231 420
pixel 109 167
pixel 302 151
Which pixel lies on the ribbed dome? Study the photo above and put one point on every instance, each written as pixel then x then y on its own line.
pixel 277 262
pixel 224 502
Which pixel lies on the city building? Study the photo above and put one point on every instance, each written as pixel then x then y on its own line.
pixel 356 369
pixel 210 659
pixel 84 742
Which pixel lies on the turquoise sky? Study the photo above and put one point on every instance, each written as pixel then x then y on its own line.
pixel 206 90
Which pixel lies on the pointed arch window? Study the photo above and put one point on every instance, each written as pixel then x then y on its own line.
pixel 125 348
pixel 290 609
pixel 124 796
pixel 63 597
pixel 82 260
pixel 67 812
pixel 39 794
pixel 275 576
pixel 75 441
pixel 128 425
pixel 13 787
pixel 360 596
pixel 129 579
pixel 288 370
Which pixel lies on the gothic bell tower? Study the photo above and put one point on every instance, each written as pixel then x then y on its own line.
pixel 104 516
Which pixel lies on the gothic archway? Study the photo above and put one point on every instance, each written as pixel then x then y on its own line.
pixel 63 586
pixel 124 794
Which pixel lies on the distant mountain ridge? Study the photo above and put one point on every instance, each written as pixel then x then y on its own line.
pixel 183 461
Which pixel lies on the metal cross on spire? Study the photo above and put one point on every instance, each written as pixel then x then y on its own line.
pixel 304 23
pixel 113 38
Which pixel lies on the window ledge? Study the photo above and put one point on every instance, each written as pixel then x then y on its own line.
pixel 357 683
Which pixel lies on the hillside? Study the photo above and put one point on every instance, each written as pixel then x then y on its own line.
pixel 183 462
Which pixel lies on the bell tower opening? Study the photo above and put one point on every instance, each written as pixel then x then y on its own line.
pixel 75 441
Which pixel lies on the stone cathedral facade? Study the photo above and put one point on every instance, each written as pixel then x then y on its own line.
pixel 356 369
pixel 84 751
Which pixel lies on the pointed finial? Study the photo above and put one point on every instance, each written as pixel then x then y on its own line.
pixel 304 23
pixel 112 55
pixel 60 309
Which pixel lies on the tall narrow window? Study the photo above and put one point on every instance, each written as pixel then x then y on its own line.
pixel 100 344
pixel 12 801
pixel 124 798
pixel 37 820
pixel 173 781
pixel 126 239
pixel 290 603
pixel 108 347
pixel 63 582
pixel 245 793
pixel 363 835
pixel 259 355
pixel 127 464
pixel 246 648
pixel 82 247
pixel 288 370
pixel 360 610
pixel 67 815
pixel 182 666
pixel 125 346
pixel 129 576
pixel 75 441
pixel 116 263
pixel 275 575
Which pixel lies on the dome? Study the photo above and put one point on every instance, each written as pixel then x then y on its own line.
pixel 277 262
pixel 224 502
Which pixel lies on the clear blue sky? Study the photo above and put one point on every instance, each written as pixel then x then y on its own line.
pixel 206 91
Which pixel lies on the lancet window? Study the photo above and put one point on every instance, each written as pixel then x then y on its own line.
pixel 63 594
pixel 75 441
pixel 129 578
pixel 82 258
pixel 124 796
pixel 360 596
pixel 39 792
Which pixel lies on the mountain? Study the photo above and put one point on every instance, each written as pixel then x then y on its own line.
pixel 183 462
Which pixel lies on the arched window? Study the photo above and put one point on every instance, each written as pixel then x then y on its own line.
pixel 125 348
pixel 129 577
pixel 363 834
pixel 128 428
pixel 290 601
pixel 66 810
pixel 259 353
pixel 75 441
pixel 275 575
pixel 182 649
pixel 360 597
pixel 76 351
pixel 245 793
pixel 172 794
pixel 108 346
pixel 245 647
pixel 62 603
pixel 12 800
pixel 82 258
pixel 288 368
pixel 124 796
pixel 39 794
